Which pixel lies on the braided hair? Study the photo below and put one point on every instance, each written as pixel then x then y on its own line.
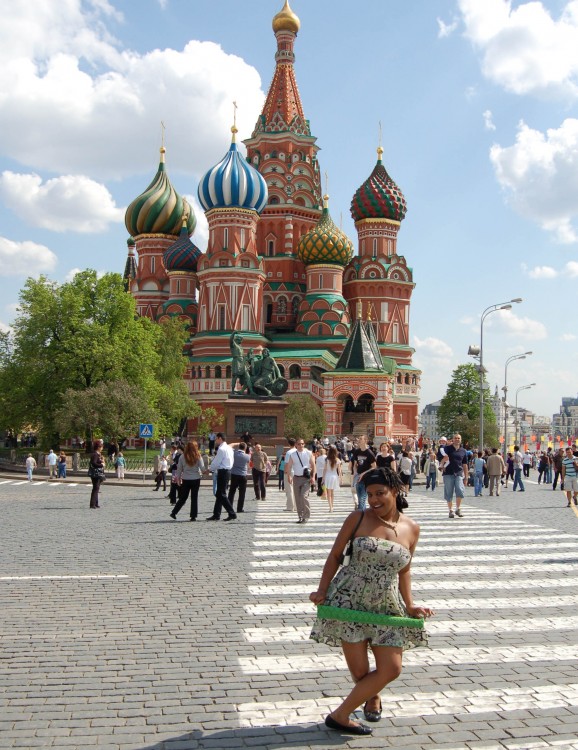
pixel 385 476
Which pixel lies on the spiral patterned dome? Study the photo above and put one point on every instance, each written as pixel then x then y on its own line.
pixel 325 243
pixel 379 197
pixel 286 20
pixel 160 209
pixel 182 255
pixel 233 182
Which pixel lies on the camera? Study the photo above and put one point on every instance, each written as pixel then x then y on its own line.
pixel 307 473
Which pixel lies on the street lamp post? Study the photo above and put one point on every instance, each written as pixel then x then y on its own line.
pixel 505 389
pixel 521 388
pixel 488 311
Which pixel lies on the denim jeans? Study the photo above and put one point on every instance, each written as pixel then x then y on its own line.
pixel 453 483
pixel 361 495
pixel 431 479
pixel 478 483
pixel 518 479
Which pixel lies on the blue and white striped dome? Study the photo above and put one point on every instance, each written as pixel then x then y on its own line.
pixel 233 182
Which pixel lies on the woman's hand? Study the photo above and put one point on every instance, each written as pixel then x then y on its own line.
pixel 317 597
pixel 424 612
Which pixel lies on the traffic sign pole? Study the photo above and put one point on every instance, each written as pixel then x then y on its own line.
pixel 145 431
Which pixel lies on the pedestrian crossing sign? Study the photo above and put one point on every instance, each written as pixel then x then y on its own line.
pixel 145 431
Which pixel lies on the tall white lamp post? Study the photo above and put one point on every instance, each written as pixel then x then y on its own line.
pixel 505 389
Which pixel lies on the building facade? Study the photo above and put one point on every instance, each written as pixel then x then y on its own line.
pixel 278 270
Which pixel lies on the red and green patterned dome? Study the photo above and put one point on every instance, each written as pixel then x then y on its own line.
pixel 325 243
pixel 379 197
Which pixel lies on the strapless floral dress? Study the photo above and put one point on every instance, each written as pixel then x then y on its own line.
pixel 369 584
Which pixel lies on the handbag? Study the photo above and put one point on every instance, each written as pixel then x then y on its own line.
pixel 345 556
pixel 96 472
pixel 306 469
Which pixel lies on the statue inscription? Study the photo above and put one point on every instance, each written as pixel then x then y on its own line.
pixel 256 425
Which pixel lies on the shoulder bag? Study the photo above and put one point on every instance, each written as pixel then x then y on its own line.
pixel 345 558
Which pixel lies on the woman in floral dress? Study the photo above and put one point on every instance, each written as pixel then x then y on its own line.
pixel 377 581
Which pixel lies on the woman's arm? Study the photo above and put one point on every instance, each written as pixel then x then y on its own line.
pixel 405 586
pixel 333 559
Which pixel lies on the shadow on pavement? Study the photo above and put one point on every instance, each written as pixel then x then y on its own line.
pixel 553 561
pixel 267 738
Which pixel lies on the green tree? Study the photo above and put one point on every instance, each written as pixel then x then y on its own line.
pixel 77 335
pixel 460 408
pixel 304 418
pixel 209 419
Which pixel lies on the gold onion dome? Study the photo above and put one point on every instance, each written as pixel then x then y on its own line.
pixel 325 243
pixel 379 197
pixel 286 20
pixel 159 209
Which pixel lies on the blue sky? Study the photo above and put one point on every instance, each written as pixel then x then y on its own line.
pixel 478 105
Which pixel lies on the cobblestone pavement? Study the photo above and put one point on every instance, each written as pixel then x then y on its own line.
pixel 124 629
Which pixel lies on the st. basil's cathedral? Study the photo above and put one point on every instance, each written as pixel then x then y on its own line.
pixel 278 270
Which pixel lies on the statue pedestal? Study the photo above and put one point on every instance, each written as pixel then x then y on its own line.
pixel 263 418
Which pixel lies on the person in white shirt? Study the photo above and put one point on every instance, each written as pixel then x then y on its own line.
pixel 221 465
pixel 162 475
pixel 52 459
pixel 518 464
pixel 288 472
pixel 30 466
pixel 319 466
pixel 303 467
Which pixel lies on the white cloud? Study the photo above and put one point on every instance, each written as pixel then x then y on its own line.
pixel 568 337
pixel 72 273
pixel 446 29
pixel 540 175
pixel 432 347
pixel 571 268
pixel 542 272
pixel 24 258
pixel 201 234
pixel 467 320
pixel 4 328
pixel 520 327
pixel 524 49
pixel 67 203
pixel 73 101
pixel 488 120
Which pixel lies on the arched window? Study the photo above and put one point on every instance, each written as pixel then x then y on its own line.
pixel 218 372
pixel 153 260
pixel 268 310
pixel 414 380
pixel 199 372
pixel 207 372
pixel 271 248
pixel 407 379
pixel 281 370
pixel 294 372
pixel 228 371
pixel 274 200
pixel 398 377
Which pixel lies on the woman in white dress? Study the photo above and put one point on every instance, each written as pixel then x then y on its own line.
pixel 332 475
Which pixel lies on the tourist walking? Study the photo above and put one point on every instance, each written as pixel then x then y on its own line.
pixel 61 465
pixel 173 468
pixel 496 470
pixel 212 437
pixel 479 466
pixel 509 468
pixel 30 466
pixel 320 461
pixel 239 472
pixel 288 471
pixel 300 472
pixel 542 468
pixel 362 459
pixel 557 465
pixel 376 581
pixel 190 469
pixel 281 472
pixel 518 466
pixel 162 474
pixel 52 460
pixel 332 477
pixel 570 476
pixel 455 473
pixel 385 459
pixel 259 470
pixel 96 472
pixel 527 463
pixel 221 467
pixel 430 469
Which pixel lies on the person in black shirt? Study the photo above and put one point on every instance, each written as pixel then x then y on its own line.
pixel 455 470
pixel 362 460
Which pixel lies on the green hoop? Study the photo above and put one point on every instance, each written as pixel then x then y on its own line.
pixel 325 612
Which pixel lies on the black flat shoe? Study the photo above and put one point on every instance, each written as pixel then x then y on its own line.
pixel 193 518
pixel 173 516
pixel 356 729
pixel 212 518
pixel 374 715
pixel 230 518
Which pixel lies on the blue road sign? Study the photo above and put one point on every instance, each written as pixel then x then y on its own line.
pixel 145 430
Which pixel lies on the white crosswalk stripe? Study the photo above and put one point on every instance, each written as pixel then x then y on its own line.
pixel 491 580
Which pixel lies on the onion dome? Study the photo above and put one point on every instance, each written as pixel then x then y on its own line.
pixel 286 20
pixel 182 255
pixel 325 243
pixel 233 182
pixel 379 197
pixel 160 209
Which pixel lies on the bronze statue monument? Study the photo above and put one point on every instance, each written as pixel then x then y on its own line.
pixel 253 374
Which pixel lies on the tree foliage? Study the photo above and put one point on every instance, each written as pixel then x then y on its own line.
pixel 304 418
pixel 460 408
pixel 209 419
pixel 73 337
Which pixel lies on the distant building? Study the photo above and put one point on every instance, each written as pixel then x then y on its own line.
pixel 565 423
pixel 429 421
